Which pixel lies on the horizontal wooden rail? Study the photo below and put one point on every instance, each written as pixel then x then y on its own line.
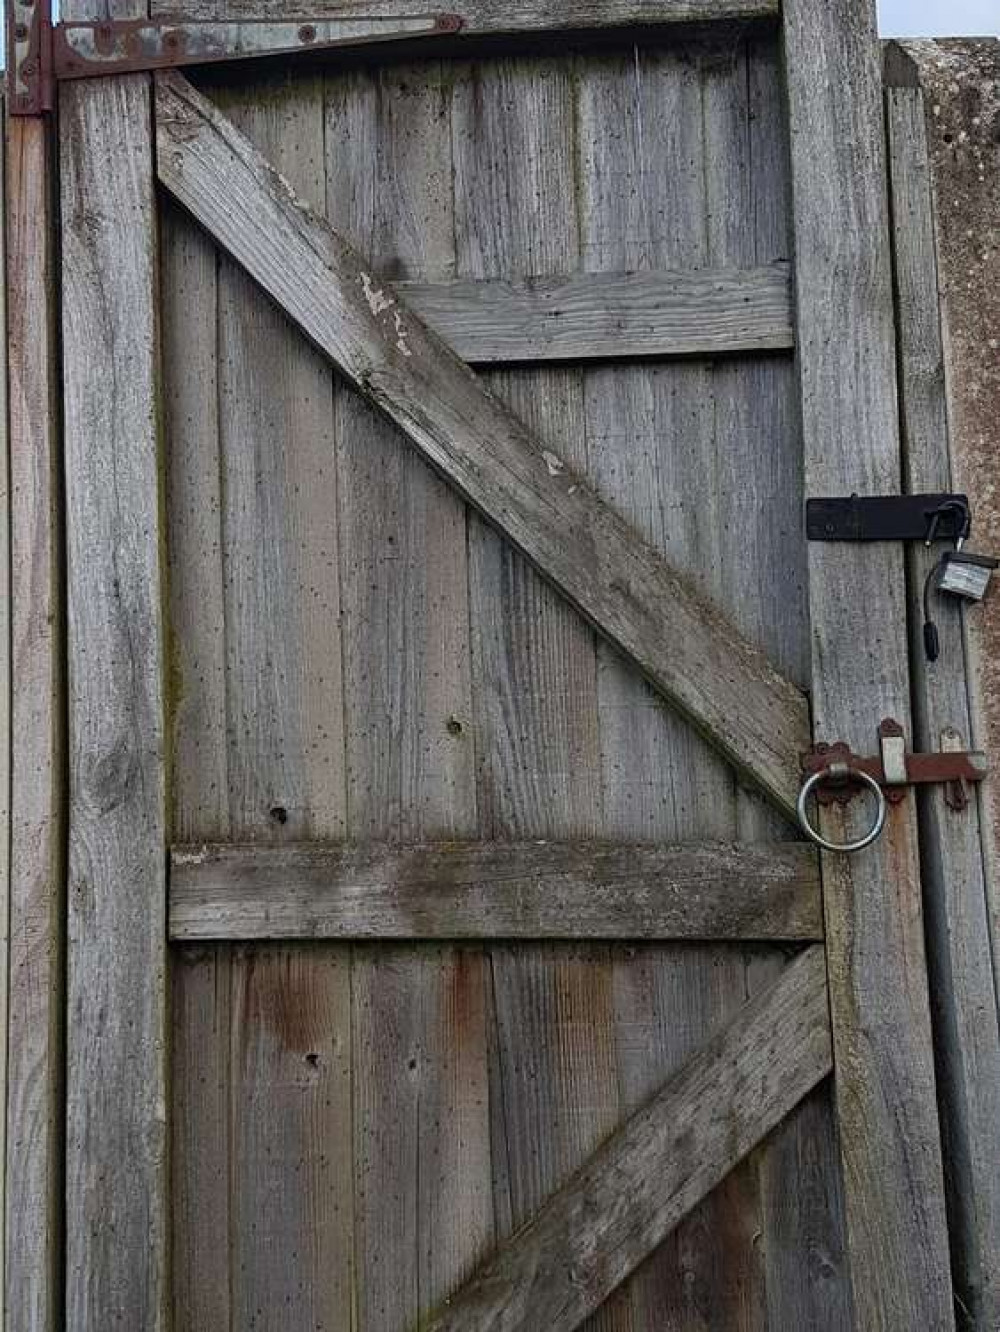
pixel 589 316
pixel 651 1173
pixel 485 890
pixel 489 17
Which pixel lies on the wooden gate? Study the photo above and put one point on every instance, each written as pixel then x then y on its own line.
pixel 436 961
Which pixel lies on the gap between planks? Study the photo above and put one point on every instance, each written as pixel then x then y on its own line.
pixel 489 890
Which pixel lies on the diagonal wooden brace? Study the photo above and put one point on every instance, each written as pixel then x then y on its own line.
pixel 687 647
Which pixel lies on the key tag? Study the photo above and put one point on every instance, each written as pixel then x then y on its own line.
pixel 957 574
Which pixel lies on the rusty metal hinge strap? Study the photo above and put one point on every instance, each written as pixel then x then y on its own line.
pixel 43 54
pixel 30 81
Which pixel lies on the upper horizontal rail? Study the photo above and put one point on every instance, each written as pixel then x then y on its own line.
pixel 485 17
pixel 41 53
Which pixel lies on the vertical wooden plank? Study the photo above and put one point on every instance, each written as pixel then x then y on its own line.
pixel 801 1201
pixel 878 987
pixel 116 1051
pixel 651 430
pixel 682 465
pixel 291 1210
pixel 553 1086
pixel 966 1028
pixel 709 1272
pixel 35 995
pixel 200 1138
pixel 200 1007
pixel 282 599
pixel 6 734
pixel 420 1105
pixel 289 1111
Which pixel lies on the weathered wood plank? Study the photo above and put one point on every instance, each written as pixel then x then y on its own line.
pixel 654 1169
pixel 591 316
pixel 650 430
pixel 290 1116
pixel 967 1033
pixel 553 1093
pixel 846 356
pixel 290 1247
pixel 116 1040
pixel 7 206
pixel 485 17
pixel 495 890
pixel 34 992
pixel 800 1203
pixel 420 1102
pixel 645 166
pixel 725 685
pixel 200 1137
pixel 200 978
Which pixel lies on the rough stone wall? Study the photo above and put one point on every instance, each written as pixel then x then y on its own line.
pixel 961 83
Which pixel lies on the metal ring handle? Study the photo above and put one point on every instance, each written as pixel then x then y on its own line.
pixel 845 848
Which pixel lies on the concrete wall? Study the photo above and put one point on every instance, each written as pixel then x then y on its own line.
pixel 961 83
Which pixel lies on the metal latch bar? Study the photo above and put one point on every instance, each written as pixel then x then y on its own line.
pixel 894 769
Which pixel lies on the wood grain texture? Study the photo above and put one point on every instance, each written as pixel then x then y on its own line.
pixel 964 1005
pixel 200 1136
pixel 288 1010
pixel 609 316
pixel 200 978
pixel 6 701
pixel 483 17
pixel 34 991
pixel 420 1100
pixel 800 1195
pixel 495 890
pixel 726 686
pixel 885 1076
pixel 658 1165
pixel 116 1055
pixel 657 444
pixel 553 1093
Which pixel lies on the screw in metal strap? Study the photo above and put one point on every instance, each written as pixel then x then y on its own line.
pixel 842 771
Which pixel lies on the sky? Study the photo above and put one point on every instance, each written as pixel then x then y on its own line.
pixel 939 18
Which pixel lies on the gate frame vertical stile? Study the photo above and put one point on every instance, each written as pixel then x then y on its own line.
pixel 5 705
pixel 884 1070
pixel 117 1178
pixel 32 1249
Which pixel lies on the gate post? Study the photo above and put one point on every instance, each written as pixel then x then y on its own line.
pixel 942 122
